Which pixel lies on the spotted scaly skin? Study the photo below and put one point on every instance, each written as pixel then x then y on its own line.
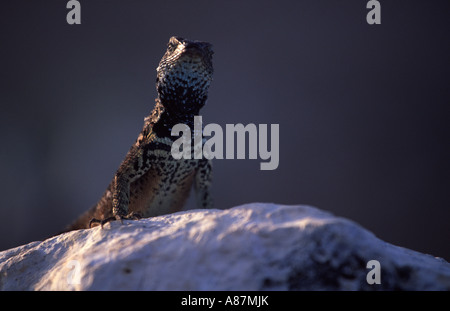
pixel 149 181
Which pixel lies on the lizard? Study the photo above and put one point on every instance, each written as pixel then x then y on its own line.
pixel 149 181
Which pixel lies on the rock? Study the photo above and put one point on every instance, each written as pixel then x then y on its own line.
pixel 249 247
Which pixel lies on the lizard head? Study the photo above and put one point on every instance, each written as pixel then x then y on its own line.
pixel 184 74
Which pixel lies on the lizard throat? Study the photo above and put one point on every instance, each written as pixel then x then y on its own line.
pixel 169 116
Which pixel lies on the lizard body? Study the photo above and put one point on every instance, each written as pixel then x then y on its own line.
pixel 149 181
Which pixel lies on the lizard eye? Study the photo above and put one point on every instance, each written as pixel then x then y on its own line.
pixel 172 45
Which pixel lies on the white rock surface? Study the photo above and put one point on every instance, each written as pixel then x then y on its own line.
pixel 250 247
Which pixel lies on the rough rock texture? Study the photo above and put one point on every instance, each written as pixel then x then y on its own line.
pixel 249 247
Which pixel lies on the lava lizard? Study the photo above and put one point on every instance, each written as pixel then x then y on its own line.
pixel 149 181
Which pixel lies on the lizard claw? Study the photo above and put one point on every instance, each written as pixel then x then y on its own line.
pixel 134 216
pixel 100 222
pixel 130 216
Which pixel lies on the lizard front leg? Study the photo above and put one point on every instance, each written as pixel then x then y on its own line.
pixel 203 184
pixel 133 167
